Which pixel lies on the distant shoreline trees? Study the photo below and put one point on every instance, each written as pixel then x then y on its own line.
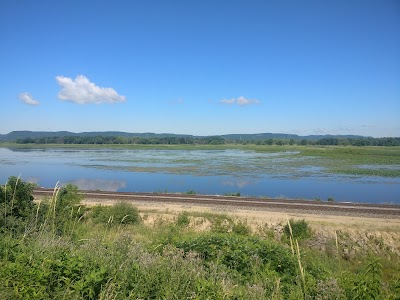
pixel 211 140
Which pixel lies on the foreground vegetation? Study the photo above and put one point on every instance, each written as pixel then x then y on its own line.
pixel 58 249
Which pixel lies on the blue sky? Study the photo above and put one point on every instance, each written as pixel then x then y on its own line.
pixel 201 67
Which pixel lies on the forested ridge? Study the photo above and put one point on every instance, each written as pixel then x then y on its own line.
pixel 210 140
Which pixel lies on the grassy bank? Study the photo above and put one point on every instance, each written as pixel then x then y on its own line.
pixel 62 250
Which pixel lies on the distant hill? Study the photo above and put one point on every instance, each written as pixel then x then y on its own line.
pixel 15 135
pixel 265 136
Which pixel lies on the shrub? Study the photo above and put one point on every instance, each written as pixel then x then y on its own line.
pixel 16 205
pixel 221 224
pixel 233 194
pixel 300 229
pixel 367 284
pixel 241 228
pixel 241 253
pixel 120 213
pixel 191 192
pixel 68 197
pixel 61 212
pixel 183 219
pixel 57 275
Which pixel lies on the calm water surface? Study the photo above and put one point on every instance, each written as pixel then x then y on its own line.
pixel 283 174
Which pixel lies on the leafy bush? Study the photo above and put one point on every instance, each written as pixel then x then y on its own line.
pixel 369 285
pixel 183 219
pixel 366 284
pixel 233 194
pixel 120 213
pixel 297 229
pixel 37 275
pixel 221 223
pixel 61 213
pixel 241 253
pixel 191 192
pixel 16 205
pixel 241 228
pixel 68 197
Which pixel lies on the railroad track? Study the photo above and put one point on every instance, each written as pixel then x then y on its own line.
pixel 385 210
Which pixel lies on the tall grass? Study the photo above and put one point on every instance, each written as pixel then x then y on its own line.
pixel 82 253
pixel 294 245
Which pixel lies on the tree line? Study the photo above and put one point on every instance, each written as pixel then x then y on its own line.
pixel 211 140
pixel 367 141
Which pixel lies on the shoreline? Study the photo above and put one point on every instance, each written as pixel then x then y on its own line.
pixel 194 146
pixel 234 203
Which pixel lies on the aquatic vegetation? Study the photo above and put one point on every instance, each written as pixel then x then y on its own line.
pixel 247 169
pixel 307 161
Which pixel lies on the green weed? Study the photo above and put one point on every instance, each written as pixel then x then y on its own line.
pixel 297 229
pixel 121 213
pixel 191 192
pixel 233 194
pixel 183 219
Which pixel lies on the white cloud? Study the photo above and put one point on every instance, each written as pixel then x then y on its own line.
pixel 28 99
pixel 82 91
pixel 368 126
pixel 228 101
pixel 333 131
pixel 241 101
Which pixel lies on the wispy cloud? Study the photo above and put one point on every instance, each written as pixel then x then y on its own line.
pixel 241 101
pixel 228 101
pixel 332 131
pixel 179 101
pixel 80 90
pixel 368 126
pixel 28 99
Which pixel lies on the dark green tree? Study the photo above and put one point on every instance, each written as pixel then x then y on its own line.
pixel 16 205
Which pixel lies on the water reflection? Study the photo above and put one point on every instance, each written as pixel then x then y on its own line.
pixel 32 179
pixel 98 184
pixel 239 183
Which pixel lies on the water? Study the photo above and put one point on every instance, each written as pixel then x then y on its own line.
pixel 281 174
